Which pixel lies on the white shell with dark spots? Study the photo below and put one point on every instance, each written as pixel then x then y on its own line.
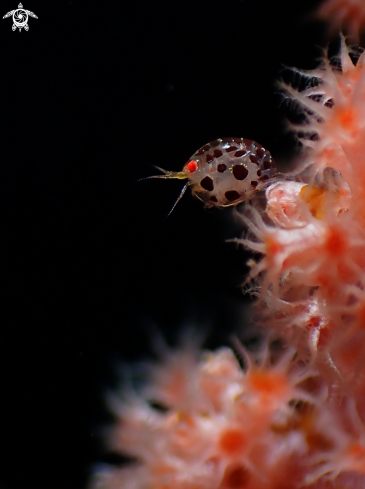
pixel 228 171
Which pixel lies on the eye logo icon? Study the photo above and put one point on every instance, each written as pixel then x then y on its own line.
pixel 20 17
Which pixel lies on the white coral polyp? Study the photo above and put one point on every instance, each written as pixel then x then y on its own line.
pixel 285 207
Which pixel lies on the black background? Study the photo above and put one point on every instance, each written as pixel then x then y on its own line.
pixel 92 96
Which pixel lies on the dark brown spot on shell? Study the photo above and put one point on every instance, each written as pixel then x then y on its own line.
pixel 240 152
pixel 254 159
pixel 207 184
pixel 218 153
pixel 254 183
pixel 231 148
pixel 227 140
pixel 247 142
pixel 232 195
pixel 237 140
pixel 215 143
pixel 260 152
pixel 221 167
pixel 199 152
pixel 259 173
pixel 206 147
pixel 239 172
pixel 209 157
pixel 267 165
pixel 213 198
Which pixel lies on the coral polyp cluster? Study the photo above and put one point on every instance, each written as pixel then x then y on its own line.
pixel 334 105
pixel 221 425
pixel 207 421
pixel 311 277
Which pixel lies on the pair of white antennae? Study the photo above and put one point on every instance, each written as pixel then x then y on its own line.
pixel 168 175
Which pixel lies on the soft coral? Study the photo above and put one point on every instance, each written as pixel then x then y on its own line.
pixel 243 437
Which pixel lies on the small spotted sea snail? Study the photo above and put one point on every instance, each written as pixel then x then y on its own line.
pixel 225 172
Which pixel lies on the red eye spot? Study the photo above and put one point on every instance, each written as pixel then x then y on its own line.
pixel 192 166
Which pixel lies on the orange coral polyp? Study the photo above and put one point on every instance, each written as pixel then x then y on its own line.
pixel 273 246
pixel 356 454
pixel 347 117
pixel 357 450
pixel 232 441
pixel 269 383
pixel 335 243
pixel 345 122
